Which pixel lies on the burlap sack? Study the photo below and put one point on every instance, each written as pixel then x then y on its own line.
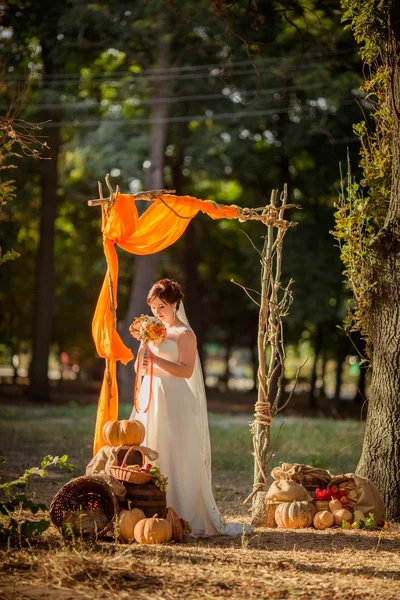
pixel 304 474
pixel 369 499
pixel 287 491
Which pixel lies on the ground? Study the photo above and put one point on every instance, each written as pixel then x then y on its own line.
pixel 270 563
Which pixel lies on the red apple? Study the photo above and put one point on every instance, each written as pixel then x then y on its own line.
pixel 334 489
pixel 344 500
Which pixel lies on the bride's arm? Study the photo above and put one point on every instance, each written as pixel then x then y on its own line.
pixel 186 357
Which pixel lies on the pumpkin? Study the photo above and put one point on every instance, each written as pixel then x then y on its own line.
pixel 323 519
pixel 127 522
pixel 335 505
pixel 342 515
pixel 295 515
pixel 123 433
pixel 153 531
pixel 177 528
pixel 339 513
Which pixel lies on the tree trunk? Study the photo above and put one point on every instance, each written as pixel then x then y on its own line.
pixel 341 355
pixel 224 379
pixel 359 396
pixel 146 267
pixel 312 403
pixel 322 393
pixel 193 296
pixel 380 458
pixel 44 280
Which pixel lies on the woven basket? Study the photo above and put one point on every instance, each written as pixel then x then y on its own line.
pixel 311 488
pixel 128 475
pixel 270 513
pixel 341 480
pixel 321 505
pixel 85 493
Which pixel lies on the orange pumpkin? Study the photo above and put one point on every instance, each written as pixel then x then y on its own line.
pixel 295 515
pixel 153 531
pixel 323 519
pixel 127 522
pixel 123 433
pixel 342 515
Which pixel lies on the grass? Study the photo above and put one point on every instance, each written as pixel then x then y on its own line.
pixel 30 432
pixel 332 564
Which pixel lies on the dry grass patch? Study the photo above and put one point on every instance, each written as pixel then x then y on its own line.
pixel 276 564
pixel 309 564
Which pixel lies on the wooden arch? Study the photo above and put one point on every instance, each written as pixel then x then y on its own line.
pixel 159 227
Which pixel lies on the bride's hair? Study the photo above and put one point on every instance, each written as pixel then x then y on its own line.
pixel 166 289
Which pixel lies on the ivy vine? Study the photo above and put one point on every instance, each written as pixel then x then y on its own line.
pixel 362 206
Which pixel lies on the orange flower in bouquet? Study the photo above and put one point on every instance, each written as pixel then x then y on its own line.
pixel 148 329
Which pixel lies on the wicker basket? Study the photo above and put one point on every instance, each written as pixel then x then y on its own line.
pixel 321 505
pixel 128 475
pixel 85 494
pixel 310 487
pixel 270 513
pixel 342 480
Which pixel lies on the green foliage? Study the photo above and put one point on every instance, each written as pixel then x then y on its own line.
pixel 276 115
pixel 9 255
pixel 368 21
pixel 15 132
pixel 361 208
pixel 355 227
pixel 20 528
pixel 42 471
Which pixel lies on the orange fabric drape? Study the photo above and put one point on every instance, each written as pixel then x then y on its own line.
pixel 159 227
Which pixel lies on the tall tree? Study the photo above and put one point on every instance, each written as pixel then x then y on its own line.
pixel 146 266
pixel 368 227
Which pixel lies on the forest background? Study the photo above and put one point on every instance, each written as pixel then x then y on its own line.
pixel 221 107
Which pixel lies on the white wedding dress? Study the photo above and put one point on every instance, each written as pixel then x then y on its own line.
pixel 173 429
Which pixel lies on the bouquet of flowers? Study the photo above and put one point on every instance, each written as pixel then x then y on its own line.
pixel 146 329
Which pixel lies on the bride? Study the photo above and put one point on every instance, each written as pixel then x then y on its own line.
pixel 176 423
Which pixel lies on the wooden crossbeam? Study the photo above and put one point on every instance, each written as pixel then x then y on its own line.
pixel 148 195
pixel 269 214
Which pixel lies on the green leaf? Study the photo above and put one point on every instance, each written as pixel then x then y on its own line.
pixel 9 255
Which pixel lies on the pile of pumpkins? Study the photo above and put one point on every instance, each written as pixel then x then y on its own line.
pixel 296 510
pixel 134 526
